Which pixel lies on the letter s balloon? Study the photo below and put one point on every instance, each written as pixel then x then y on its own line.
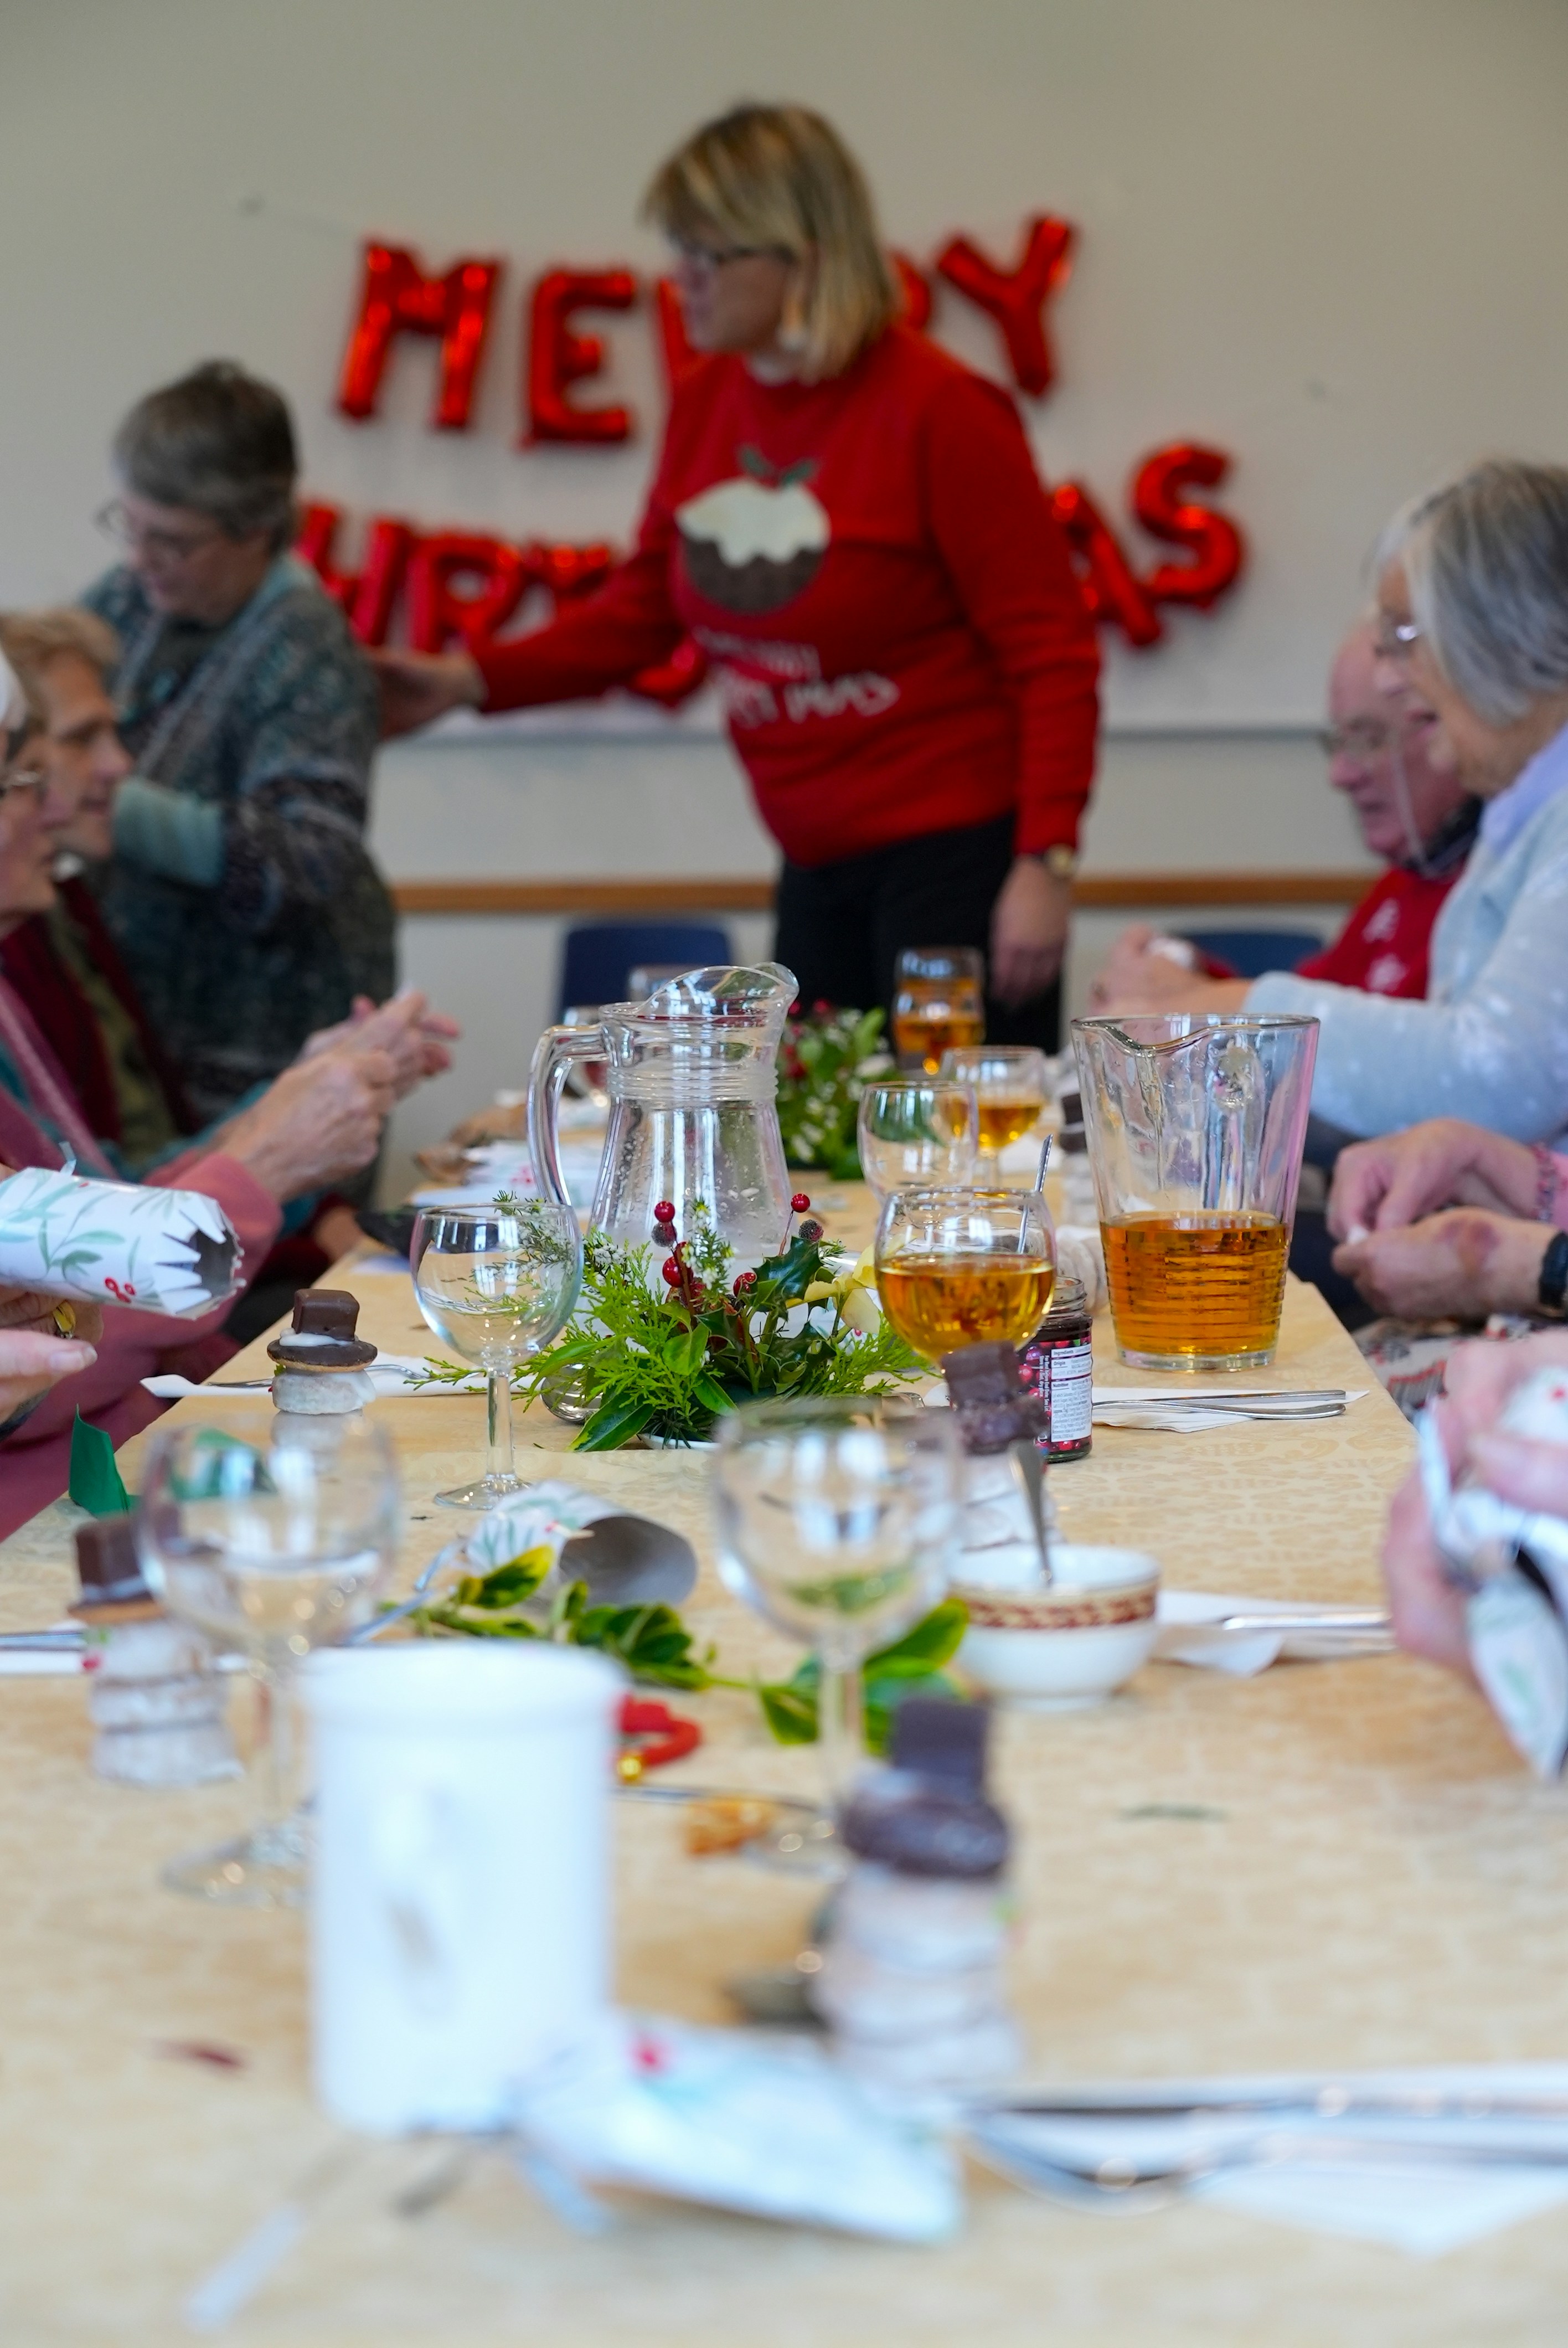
pixel 1218 549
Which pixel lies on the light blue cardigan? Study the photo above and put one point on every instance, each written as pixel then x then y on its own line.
pixel 1489 1043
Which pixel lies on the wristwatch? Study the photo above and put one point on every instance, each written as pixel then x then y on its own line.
pixel 1552 1286
pixel 1060 861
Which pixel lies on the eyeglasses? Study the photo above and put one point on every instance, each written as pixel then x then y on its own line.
pixel 174 545
pixel 706 257
pixel 1396 640
pixel 1365 743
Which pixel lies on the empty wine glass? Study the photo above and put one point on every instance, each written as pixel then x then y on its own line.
pixel 915 1130
pixel 837 1518
pixel 1011 1083
pixel 271 1547
pixel 497 1284
pixel 959 1267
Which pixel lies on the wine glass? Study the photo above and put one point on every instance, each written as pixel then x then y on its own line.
pixel 915 1131
pixel 273 1548
pixel 1011 1083
pixel 939 1000
pixel 497 1284
pixel 837 1518
pixel 956 1267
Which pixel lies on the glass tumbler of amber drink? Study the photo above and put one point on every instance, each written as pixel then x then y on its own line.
pixel 939 1000
pixel 956 1267
pixel 1195 1127
pixel 1011 1086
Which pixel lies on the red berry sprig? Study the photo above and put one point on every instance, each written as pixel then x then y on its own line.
pixel 743 1282
pixel 664 1212
pixel 797 1206
pixel 674 1270
pixel 664 1223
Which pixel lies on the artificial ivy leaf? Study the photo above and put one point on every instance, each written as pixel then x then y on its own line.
pixel 517 1579
pixel 676 1348
pixel 612 1425
pixel 934 1640
pixel 791 1715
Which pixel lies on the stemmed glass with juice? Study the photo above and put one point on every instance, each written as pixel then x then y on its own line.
pixel 938 1001
pixel 957 1268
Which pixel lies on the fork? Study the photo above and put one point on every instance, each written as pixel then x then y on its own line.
pixel 411 1604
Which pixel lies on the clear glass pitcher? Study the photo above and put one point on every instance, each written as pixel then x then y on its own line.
pixel 693 1108
pixel 1195 1127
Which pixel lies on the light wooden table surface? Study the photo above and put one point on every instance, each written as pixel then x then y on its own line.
pixel 1330 1865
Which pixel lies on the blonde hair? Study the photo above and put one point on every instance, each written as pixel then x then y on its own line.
pixel 31 640
pixel 779 177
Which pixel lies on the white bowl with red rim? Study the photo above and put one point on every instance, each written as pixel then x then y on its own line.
pixel 1072 1642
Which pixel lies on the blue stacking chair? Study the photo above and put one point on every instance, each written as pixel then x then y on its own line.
pixel 1251 952
pixel 598 956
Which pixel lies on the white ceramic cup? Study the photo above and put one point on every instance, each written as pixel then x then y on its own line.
pixel 460 1908
pixel 1070 1644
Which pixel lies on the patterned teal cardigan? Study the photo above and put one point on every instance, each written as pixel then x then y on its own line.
pixel 242 894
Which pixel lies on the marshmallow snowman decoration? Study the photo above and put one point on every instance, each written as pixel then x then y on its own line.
pixel 755 541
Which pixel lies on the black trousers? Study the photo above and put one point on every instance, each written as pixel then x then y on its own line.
pixel 842 927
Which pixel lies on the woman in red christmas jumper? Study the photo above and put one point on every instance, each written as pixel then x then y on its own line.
pixel 849 523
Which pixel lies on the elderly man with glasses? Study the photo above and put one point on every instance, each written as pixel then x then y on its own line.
pixel 1472 627
pixel 1419 816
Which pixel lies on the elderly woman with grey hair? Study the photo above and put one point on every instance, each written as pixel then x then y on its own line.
pixel 1472 633
pixel 241 895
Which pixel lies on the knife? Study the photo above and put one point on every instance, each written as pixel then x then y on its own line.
pixel 1330 2101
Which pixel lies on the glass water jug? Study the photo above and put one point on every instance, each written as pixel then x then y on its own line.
pixel 1196 1130
pixel 693 1108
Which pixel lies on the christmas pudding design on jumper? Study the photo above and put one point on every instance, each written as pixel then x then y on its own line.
pixel 753 542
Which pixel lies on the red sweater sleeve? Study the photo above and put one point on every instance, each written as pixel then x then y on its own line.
pixel 629 624
pixel 1008 561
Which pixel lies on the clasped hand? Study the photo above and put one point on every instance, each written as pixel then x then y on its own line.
pixel 1439 1219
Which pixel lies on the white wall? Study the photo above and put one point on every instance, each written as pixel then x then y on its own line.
pixel 1326 234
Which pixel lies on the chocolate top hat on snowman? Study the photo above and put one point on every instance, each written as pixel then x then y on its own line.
pixel 324 1334
pixel 109 1571
pixel 990 1402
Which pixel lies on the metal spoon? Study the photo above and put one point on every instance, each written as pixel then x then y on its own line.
pixel 1030 1476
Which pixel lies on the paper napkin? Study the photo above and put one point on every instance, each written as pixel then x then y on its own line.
pixel 1431 2202
pixel 389 1374
pixel 1189 1634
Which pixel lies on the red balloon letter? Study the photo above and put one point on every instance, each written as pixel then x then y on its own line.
pixel 1016 298
pixel 396 297
pixel 916 288
pixel 1218 546
pixel 437 611
pixel 673 681
pixel 559 356
pixel 567 570
pixel 366 596
pixel 1109 588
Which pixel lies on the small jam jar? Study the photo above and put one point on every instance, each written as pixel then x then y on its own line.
pixel 1059 1363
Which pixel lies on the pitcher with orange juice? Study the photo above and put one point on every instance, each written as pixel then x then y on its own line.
pixel 1195 1127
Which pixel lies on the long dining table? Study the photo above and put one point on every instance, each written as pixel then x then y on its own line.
pixel 1329 1865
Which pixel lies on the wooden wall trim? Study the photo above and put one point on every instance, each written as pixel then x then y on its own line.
pixel 1098 892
